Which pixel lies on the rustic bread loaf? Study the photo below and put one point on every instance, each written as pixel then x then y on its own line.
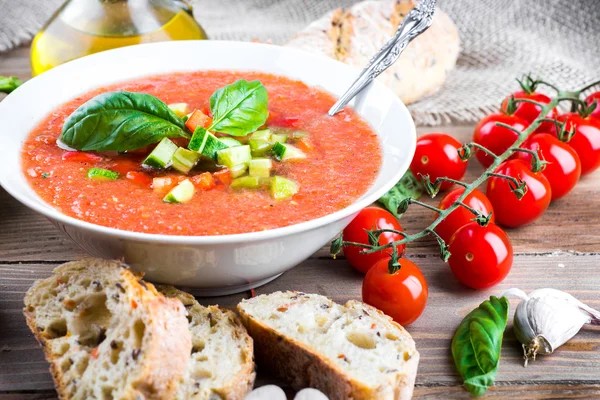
pixel 348 352
pixel 354 35
pixel 222 361
pixel 107 334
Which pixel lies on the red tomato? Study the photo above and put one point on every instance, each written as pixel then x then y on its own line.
pixel 590 99
pixel 198 118
pixel 509 210
pixel 586 141
pixel 461 216
pixel 223 176
pixel 402 295
pixel 437 156
pixel 140 178
pixel 529 111
pixel 281 121
pixel 480 256
pixel 203 181
pixel 563 168
pixel 497 139
pixel 80 156
pixel 370 218
pixel 123 165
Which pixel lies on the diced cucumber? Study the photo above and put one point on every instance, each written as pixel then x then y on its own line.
pixel 180 109
pixel 234 156
pixel 259 147
pixel 161 156
pixel 261 167
pixel 250 182
pixel 285 152
pixel 297 135
pixel 230 142
pixel 275 138
pixel 101 174
pixel 205 143
pixel 264 134
pixel 181 193
pixel 283 188
pixel 238 170
pixel 184 160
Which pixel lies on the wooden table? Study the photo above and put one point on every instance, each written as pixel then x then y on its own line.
pixel 561 250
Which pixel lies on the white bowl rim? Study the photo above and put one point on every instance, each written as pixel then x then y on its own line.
pixel 53 214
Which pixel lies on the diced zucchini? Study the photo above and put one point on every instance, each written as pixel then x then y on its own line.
pixel 250 182
pixel 275 138
pixel 283 188
pixel 234 156
pixel 238 170
pixel 264 134
pixel 180 109
pixel 161 156
pixel 205 143
pixel 181 193
pixel 184 160
pixel 101 174
pixel 230 142
pixel 285 152
pixel 259 148
pixel 261 167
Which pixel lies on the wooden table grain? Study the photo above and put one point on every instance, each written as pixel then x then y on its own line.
pixel 561 250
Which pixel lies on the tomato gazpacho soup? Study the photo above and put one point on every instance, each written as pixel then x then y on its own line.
pixel 201 153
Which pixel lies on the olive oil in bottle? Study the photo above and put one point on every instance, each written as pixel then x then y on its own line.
pixel 82 27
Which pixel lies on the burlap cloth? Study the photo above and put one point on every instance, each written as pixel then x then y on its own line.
pixel 558 40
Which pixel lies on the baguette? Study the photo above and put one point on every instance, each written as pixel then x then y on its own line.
pixel 107 334
pixel 222 362
pixel 352 351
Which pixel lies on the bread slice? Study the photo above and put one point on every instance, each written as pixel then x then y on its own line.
pixel 222 361
pixel 352 351
pixel 107 334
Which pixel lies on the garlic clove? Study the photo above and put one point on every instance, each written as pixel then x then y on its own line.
pixel 268 392
pixel 310 394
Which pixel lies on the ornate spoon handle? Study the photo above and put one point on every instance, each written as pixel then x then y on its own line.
pixel 416 22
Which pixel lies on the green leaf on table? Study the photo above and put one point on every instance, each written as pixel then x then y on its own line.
pixel 121 121
pixel 477 344
pixel 9 83
pixel 240 108
pixel 408 186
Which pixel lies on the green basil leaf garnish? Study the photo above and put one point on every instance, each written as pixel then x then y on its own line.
pixel 121 121
pixel 240 108
pixel 408 186
pixel 477 343
pixel 9 83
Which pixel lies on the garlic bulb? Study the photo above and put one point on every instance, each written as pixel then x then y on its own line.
pixel 548 318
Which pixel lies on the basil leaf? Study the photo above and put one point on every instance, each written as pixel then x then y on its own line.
pixel 9 83
pixel 477 343
pixel 240 108
pixel 408 186
pixel 120 121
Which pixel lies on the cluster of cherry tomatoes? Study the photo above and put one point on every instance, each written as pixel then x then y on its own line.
pixel 481 256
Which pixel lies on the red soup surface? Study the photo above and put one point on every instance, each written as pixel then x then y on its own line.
pixel 343 160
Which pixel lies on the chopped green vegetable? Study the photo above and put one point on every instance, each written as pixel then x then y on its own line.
pixel 181 193
pixel 101 174
pixel 162 154
pixel 250 182
pixel 275 138
pixel 230 142
pixel 9 83
pixel 206 143
pixel 283 188
pixel 184 160
pixel 408 186
pixel 180 109
pixel 261 167
pixel 285 152
pixel 238 170
pixel 477 343
pixel 45 174
pixel 264 134
pixel 259 148
pixel 234 156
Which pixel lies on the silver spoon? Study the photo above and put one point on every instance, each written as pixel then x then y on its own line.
pixel 416 22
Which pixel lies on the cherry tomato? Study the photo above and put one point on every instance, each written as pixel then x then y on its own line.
pixel 563 168
pixel 402 295
pixel 590 99
pixel 461 216
pixel 437 156
pixel 370 218
pixel 480 256
pixel 497 139
pixel 529 111
pixel 509 210
pixel 586 141
pixel 198 118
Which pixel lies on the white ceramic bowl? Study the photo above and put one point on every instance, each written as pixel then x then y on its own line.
pixel 215 265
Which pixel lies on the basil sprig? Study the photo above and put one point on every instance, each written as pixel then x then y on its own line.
pixel 408 186
pixel 9 83
pixel 120 121
pixel 477 343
